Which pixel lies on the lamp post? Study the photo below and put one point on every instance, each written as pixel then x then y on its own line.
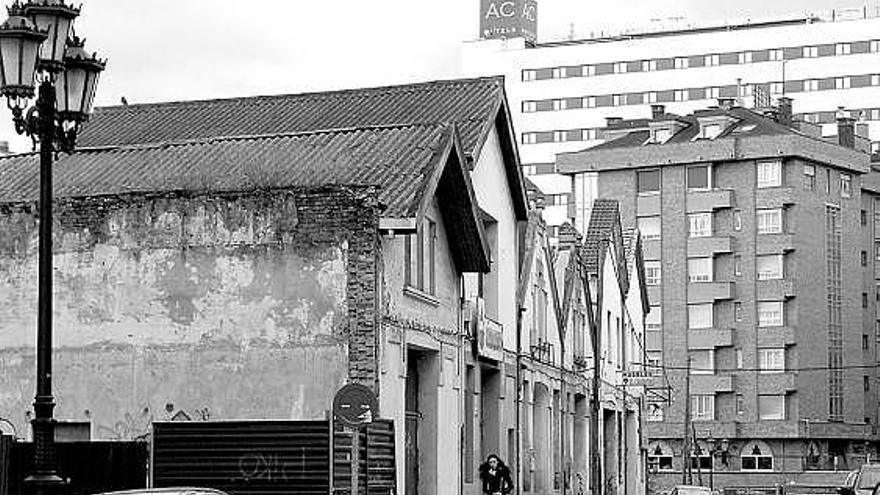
pixel 36 47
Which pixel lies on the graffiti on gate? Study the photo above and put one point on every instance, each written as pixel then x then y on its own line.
pixel 272 468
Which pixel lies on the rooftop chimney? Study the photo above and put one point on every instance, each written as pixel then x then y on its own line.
pixel 610 121
pixel 568 237
pixel 784 116
pixel 657 111
pixel 846 130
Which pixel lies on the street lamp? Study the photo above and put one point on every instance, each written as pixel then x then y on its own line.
pixel 36 47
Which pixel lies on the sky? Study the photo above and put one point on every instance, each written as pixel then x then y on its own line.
pixel 169 50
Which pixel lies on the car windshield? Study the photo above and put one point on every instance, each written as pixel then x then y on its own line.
pixel 869 478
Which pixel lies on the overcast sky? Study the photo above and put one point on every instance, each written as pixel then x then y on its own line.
pixel 162 50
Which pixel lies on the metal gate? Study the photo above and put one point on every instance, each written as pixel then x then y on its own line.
pixel 272 457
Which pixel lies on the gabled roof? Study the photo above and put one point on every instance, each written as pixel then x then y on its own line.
pixel 635 263
pixel 475 106
pixel 604 232
pixel 408 165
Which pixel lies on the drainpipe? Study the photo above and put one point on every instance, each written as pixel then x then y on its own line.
pixel 518 409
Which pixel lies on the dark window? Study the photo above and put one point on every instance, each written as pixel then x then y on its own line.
pixel 864 299
pixel 574 71
pixel 665 96
pixel 697 61
pixel 864 258
pixel 859 47
pixel 705 462
pixel 730 91
pixel 793 86
pixel 792 52
pixel 604 69
pixel 864 217
pixel 574 103
pixel 827 50
pixel 867 383
pixel 860 81
pixel 864 342
pixel 826 84
pixel 648 181
pixel 635 66
pixel 760 55
pixel 729 58
pixel 665 64
pixel 698 177
pixel 604 101
pixel 544 73
pixel 544 105
pixel 634 98
pixel 697 93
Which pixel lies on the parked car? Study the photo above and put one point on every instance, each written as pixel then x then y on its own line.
pixel 690 490
pixel 863 481
pixel 182 490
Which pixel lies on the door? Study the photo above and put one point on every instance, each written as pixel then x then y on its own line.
pixel 413 416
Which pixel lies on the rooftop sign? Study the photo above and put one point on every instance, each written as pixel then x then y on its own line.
pixel 509 19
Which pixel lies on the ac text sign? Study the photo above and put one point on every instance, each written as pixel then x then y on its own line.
pixel 509 19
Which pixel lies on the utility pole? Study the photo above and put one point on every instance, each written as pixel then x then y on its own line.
pixel 686 475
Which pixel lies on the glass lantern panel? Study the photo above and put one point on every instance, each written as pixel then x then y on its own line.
pixel 91 88
pixel 59 29
pixel 9 52
pixel 71 89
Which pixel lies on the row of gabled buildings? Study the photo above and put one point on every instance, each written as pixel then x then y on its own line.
pixel 244 258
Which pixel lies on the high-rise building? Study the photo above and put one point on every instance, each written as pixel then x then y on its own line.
pixel 760 261
pixel 562 92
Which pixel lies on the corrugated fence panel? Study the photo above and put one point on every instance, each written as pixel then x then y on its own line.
pixel 244 457
pixel 377 473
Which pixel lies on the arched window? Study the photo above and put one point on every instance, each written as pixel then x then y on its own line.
pixel 701 457
pixel 659 457
pixel 757 456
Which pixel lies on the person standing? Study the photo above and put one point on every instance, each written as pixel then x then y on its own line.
pixel 495 476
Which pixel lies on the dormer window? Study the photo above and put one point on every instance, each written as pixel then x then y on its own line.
pixel 710 131
pixel 712 126
pixel 661 135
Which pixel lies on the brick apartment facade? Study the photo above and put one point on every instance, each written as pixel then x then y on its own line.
pixel 759 253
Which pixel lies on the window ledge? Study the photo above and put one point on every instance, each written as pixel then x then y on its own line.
pixel 421 296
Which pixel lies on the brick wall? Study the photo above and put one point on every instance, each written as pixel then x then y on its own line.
pixel 235 306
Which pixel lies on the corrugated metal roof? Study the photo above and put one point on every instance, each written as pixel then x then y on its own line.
pixel 469 103
pixel 397 159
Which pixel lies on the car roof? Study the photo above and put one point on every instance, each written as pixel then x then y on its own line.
pixel 182 490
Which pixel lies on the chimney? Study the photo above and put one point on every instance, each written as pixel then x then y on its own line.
pixel 846 131
pixel 727 103
pixel 612 121
pixel 568 237
pixel 657 111
pixel 784 115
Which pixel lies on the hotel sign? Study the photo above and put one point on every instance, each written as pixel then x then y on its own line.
pixel 490 339
pixel 509 19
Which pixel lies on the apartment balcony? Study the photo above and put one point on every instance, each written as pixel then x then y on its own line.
pixel 706 292
pixel 648 205
pixel 776 337
pixel 775 289
pixel 709 338
pixel 711 384
pixel 703 247
pixel 776 383
pixel 775 197
pixel 711 200
pixel 774 243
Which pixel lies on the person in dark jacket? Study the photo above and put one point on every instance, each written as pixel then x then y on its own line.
pixel 495 476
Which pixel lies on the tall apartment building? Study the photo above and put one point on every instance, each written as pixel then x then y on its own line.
pixel 760 259
pixel 562 92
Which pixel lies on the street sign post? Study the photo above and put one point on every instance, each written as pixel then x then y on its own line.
pixel 355 405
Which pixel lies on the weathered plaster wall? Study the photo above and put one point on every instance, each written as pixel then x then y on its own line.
pixel 221 307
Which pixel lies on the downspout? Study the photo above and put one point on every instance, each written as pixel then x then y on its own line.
pixel 518 409
pixel 595 326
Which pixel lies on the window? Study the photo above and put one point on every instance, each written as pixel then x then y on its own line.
pixel 809 177
pixel 737 265
pixel 865 342
pixel 652 273
pixel 619 67
pixel 659 458
pixel 745 57
pixel 559 105
pixel 702 362
pixel 560 136
pixel 811 51
pixel 654 358
pixel 559 73
pixel 701 459
pixel 864 299
pixel 875 79
pixel 738 311
pixel 617 100
pixel 845 185
pixel 710 131
pixel 589 102
pixel 700 316
pixel 777 88
pixel 699 225
pixel 740 402
pixel 589 70
pixel 770 314
pixel 699 177
pixel 827 181
pixel 530 137
pixel 649 65
pixel 739 359
pixel 654 319
pixel 771 360
pixel 864 258
pixel 863 217
pixel 529 75
pixel 680 95
pixel 712 60
pixel 737 220
pixel 842 49
pixel 529 106
pixel 769 174
pixel 842 82
pixel 769 267
pixel 648 181
pixel 769 221
pixel 681 63
pixel 874 46
pixel 419 255
pixel 771 407
pixel 756 459
pixel 661 135
pixel 866 383
pixel 649 228
pixel 713 92
pixel 775 55
pixel 811 85
pixel 700 269
pixel 651 97
pixel 702 407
